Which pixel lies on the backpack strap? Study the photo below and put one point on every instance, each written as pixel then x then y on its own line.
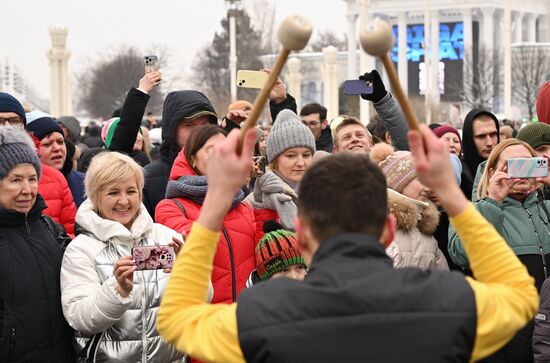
pixel 181 207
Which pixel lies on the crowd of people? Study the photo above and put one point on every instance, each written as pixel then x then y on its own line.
pixel 356 243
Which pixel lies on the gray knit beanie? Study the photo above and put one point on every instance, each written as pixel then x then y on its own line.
pixel 16 147
pixel 288 132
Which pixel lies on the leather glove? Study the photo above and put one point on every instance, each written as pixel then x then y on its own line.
pixel 378 89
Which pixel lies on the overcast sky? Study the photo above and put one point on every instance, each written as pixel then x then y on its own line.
pixel 97 27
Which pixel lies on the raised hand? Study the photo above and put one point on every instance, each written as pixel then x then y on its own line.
pixel 378 89
pixel 149 81
pixel 124 275
pixel 434 169
pixel 278 92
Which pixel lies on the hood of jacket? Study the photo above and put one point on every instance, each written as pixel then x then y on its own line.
pixel 71 123
pixel 105 229
pixel 177 106
pixel 181 167
pixel 469 149
pixel 411 213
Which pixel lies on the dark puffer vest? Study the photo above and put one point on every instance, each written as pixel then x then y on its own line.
pixel 354 307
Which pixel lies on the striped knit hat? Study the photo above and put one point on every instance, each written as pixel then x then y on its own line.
pixel 276 251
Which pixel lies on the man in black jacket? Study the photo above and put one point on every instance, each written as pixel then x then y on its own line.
pixel 314 116
pixel 182 111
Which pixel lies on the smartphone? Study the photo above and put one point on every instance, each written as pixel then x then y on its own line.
pixel 259 165
pixel 153 257
pixel 251 79
pixel 357 87
pixel 528 167
pixel 151 63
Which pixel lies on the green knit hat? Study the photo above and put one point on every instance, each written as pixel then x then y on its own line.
pixel 276 251
pixel 535 134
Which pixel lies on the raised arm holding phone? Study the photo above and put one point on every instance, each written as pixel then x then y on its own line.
pixel 346 308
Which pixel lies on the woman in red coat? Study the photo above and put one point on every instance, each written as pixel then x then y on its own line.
pixel 234 260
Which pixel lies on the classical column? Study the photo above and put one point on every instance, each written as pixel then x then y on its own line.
pixel 488 27
pixel 352 15
pixel 518 27
pixel 435 57
pixel 366 61
pixel 58 56
pixel 402 66
pixel 330 81
pixel 507 58
pixel 295 80
pixel 468 32
pixel 531 28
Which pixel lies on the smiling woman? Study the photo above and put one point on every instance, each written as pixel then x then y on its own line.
pixel 102 293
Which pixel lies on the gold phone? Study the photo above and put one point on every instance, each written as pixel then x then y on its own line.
pixel 251 79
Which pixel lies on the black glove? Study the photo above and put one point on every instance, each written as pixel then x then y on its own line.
pixel 378 89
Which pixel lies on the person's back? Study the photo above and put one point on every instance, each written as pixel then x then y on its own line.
pixel 343 294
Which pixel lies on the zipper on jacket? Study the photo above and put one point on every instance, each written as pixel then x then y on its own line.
pixel 233 271
pixel 27 225
pixel 538 241
pixel 11 349
pixel 143 320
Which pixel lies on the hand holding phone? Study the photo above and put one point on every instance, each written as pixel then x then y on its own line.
pixel 153 257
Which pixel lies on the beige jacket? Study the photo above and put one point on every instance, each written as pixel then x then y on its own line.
pixel 415 244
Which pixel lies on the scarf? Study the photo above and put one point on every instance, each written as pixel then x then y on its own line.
pixel 194 188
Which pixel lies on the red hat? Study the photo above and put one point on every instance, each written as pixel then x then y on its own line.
pixel 543 103
pixel 442 130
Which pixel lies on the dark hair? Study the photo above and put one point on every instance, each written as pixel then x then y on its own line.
pixel 343 193
pixel 314 108
pixel 377 128
pixel 434 126
pixel 196 140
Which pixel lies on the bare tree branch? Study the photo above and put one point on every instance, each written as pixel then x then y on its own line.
pixel 529 66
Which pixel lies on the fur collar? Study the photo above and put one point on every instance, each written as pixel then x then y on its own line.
pixel 412 213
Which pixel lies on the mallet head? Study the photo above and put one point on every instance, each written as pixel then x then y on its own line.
pixel 294 32
pixel 377 37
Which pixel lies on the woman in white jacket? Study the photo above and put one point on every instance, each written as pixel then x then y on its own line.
pixel 112 307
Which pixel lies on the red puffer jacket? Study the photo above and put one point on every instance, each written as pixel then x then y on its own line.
pixel 234 259
pixel 55 191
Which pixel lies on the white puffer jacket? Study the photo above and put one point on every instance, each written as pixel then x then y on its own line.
pixel 125 327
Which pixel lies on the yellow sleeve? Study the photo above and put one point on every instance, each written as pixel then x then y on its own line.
pixel 505 294
pixel 206 332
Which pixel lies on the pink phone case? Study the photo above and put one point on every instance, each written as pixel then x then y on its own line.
pixel 153 257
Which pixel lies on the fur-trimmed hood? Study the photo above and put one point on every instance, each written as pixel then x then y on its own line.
pixel 412 213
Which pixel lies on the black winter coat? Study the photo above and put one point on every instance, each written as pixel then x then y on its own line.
pixel 177 106
pixel 32 325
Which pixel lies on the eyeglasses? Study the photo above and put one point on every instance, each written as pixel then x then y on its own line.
pixel 311 123
pixel 12 121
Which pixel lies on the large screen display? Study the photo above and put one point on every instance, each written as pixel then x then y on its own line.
pixel 450 57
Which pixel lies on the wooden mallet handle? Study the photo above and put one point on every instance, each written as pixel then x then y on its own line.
pixel 377 40
pixel 293 34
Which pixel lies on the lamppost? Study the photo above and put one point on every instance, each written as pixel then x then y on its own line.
pixel 231 12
